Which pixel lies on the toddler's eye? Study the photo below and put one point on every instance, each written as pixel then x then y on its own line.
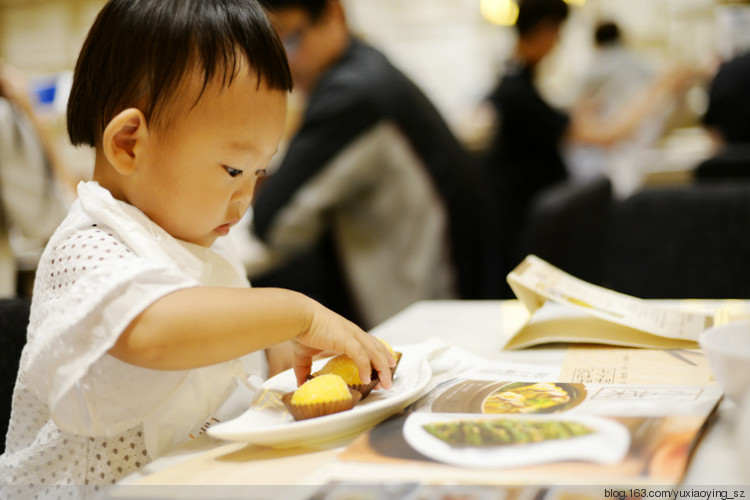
pixel 261 172
pixel 233 172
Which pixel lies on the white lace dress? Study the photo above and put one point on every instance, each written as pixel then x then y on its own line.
pixel 82 419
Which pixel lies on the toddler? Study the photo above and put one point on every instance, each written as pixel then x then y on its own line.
pixel 139 315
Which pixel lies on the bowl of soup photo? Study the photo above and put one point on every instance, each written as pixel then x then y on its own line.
pixel 533 397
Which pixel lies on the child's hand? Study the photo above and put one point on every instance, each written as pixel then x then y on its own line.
pixel 280 357
pixel 328 330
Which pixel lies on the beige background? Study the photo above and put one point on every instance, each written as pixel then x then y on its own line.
pixel 444 45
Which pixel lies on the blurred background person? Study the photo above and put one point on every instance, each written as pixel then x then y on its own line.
pixel 727 118
pixel 616 78
pixel 34 186
pixel 32 203
pixel 526 152
pixel 375 204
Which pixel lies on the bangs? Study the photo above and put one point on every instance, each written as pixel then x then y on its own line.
pixel 139 53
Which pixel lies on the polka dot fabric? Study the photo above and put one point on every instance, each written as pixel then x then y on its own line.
pixel 82 419
pixel 81 253
pixel 71 466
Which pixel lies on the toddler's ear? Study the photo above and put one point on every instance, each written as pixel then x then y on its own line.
pixel 121 139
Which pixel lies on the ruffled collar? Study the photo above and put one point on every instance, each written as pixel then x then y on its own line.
pixel 215 266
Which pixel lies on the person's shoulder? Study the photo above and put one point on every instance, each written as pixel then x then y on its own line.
pixel 738 65
pixel 76 252
pixel 82 233
pixel 351 86
pixel 88 243
pixel 362 73
pixel 729 82
pixel 363 63
pixel 515 83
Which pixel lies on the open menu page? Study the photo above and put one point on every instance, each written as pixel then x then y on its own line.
pixel 629 320
pixel 491 423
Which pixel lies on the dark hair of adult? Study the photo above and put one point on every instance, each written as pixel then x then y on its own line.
pixel 314 8
pixel 532 13
pixel 138 52
pixel 606 33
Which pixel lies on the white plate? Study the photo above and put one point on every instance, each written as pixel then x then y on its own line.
pixel 269 423
pixel 609 443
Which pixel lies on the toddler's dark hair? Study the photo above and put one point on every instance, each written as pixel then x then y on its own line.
pixel 138 52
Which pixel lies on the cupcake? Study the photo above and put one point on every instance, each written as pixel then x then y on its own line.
pixel 344 367
pixel 396 355
pixel 320 396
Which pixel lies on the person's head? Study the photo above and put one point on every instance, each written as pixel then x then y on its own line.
pixel 184 101
pixel 314 33
pixel 729 101
pixel 538 27
pixel 607 33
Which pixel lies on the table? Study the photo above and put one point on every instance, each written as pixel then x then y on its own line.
pixel 192 471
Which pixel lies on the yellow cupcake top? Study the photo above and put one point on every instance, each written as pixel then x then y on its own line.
pixel 387 345
pixel 321 389
pixel 344 367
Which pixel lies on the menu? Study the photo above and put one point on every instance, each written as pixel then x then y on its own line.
pixel 563 308
pixel 482 424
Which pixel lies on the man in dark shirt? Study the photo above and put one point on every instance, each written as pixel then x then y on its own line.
pixel 374 166
pixel 530 133
pixel 525 154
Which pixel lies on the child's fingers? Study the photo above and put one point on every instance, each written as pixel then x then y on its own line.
pixel 373 354
pixel 301 371
pixel 360 356
pixel 331 331
pixel 325 354
pixel 382 365
pixel 303 358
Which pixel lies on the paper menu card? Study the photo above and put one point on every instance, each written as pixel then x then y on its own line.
pixel 593 314
pixel 645 429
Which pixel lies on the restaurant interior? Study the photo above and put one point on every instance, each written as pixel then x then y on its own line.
pixel 663 218
pixel 455 52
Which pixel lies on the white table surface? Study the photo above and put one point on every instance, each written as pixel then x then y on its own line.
pixel 473 326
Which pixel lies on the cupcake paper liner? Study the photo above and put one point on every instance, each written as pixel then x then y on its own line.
pixel 305 411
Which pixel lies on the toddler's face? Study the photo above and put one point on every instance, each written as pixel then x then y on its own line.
pixel 199 172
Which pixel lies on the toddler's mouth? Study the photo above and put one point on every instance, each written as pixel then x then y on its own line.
pixel 223 230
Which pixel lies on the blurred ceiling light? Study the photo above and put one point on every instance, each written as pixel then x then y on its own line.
pixel 501 12
pixel 505 12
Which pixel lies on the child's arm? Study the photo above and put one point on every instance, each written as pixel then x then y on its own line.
pixel 201 326
pixel 279 357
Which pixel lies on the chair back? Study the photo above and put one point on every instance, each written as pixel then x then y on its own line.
pixel 566 225
pixel 732 162
pixel 686 242
pixel 14 319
